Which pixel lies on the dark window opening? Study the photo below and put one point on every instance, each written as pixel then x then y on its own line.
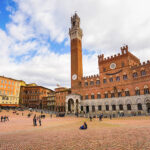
pixel 91 82
pixel 104 81
pixel 106 95
pixel 93 108
pixel 81 108
pixel 86 97
pixel 104 69
pixel 97 82
pixel 107 107
pixel 143 73
pixel 146 91
pixel 111 79
pixel 98 96
pixel 121 107
pixel 135 75
pixel 86 83
pixel 118 78
pixel 122 64
pixel 127 93
pixel 92 97
pixel 139 106
pixel 112 95
pixel 119 94
pixel 125 77
pixel 113 107
pixel 137 92
pixel 128 107
pixel 99 107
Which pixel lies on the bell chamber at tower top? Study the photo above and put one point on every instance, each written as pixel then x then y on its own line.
pixel 75 31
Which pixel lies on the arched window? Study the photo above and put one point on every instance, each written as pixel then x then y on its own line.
pixel 86 97
pixel 92 96
pixel 98 95
pixel 99 107
pixel 137 91
pixel 143 73
pixel 111 79
pixel 86 83
pixel 106 95
pixel 107 107
pixel 146 89
pixel 121 107
pixel 104 81
pixel 97 82
pixel 93 108
pixel 125 77
pixel 139 106
pixel 135 75
pixel 112 95
pixel 117 78
pixel 91 82
pixel 128 107
pixel 127 93
pixel 113 107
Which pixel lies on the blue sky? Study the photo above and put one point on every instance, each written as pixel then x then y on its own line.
pixel 34 40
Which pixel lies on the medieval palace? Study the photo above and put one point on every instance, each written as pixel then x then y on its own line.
pixel 121 87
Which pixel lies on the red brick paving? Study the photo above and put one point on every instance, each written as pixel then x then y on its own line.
pixel 63 134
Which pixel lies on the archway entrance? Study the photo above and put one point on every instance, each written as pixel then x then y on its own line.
pixel 70 105
pixel 148 107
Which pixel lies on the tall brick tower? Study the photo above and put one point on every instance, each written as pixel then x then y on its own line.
pixel 75 33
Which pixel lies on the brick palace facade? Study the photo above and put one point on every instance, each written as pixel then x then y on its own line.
pixel 121 87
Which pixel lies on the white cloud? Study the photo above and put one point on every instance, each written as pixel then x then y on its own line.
pixel 106 27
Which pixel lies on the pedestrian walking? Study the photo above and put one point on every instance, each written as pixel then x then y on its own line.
pixel 40 123
pixel 1 118
pixel 90 118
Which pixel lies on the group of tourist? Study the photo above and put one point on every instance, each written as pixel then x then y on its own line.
pixel 35 119
pixel 4 118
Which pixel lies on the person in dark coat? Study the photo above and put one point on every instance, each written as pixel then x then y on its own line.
pixel 90 118
pixel 1 118
pixel 40 121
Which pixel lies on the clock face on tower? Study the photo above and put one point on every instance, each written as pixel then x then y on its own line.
pixel 74 77
pixel 112 66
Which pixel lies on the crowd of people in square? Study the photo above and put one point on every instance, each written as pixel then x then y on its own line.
pixel 35 119
pixel 4 118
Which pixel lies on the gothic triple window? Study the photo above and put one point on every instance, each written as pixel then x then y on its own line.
pixel 86 83
pixel 125 77
pixel 92 96
pixel 104 81
pixel 91 82
pixel 86 97
pixel 143 73
pixel 98 96
pixel 111 79
pixel 146 91
pixel 135 75
pixel 112 95
pixel 106 95
pixel 127 93
pixel 137 92
pixel 119 94
pixel 97 82
pixel 117 78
